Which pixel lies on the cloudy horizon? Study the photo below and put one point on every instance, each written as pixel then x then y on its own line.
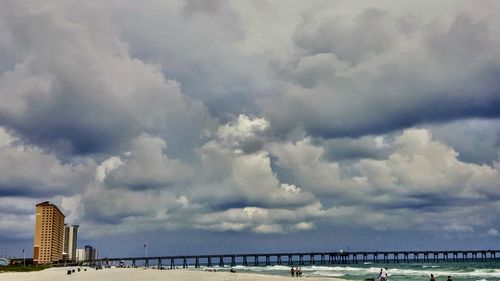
pixel 233 126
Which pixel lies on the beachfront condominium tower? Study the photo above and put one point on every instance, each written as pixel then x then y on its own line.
pixel 70 237
pixel 49 233
pixel 90 253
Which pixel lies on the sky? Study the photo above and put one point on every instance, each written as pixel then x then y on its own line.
pixel 252 126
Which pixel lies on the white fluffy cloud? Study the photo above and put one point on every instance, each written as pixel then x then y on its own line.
pixel 239 191
pixel 420 175
pixel 312 171
pixel 492 232
pixel 229 182
pixel 262 220
pixel 146 166
pixel 143 188
pixel 426 167
pixel 244 133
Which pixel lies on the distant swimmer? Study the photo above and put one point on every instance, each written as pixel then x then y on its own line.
pixel 383 274
pixel 432 278
pixel 449 279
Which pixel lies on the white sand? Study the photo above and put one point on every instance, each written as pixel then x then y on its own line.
pixel 137 274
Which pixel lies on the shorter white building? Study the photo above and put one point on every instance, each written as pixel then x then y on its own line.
pixel 80 255
pixel 87 254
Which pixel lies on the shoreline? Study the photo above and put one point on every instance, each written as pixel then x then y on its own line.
pixel 134 274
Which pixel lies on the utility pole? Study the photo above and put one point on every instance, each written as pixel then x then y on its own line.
pixel 146 246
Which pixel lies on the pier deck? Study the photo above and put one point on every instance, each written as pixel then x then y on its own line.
pixel 310 258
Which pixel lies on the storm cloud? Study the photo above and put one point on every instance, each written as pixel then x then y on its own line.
pixel 374 72
pixel 261 120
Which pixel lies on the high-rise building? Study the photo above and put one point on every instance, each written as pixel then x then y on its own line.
pixel 90 253
pixel 70 238
pixel 49 233
pixel 80 255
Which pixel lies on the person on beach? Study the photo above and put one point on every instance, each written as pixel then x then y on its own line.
pixel 383 274
pixel 292 271
pixel 449 279
pixel 432 278
pixel 300 272
pixel 296 272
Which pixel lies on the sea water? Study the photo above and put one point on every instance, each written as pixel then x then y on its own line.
pixel 459 271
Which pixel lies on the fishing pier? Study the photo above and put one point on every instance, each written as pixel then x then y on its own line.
pixel 298 259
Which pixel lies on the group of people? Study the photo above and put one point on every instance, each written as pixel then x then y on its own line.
pixel 434 279
pixel 297 272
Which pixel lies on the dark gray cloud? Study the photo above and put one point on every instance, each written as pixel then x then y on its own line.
pixel 345 149
pixel 349 81
pixel 369 33
pixel 81 91
pixel 201 46
pixel 475 140
pixel 28 171
pixel 218 11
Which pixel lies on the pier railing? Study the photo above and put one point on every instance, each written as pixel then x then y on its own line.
pixel 300 258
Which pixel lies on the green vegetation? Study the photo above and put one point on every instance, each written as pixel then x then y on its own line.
pixel 20 268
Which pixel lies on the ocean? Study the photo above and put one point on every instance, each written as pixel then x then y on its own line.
pixel 460 271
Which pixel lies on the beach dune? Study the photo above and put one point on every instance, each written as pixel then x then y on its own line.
pixel 136 274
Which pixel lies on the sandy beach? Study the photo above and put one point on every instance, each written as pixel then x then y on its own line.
pixel 135 274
